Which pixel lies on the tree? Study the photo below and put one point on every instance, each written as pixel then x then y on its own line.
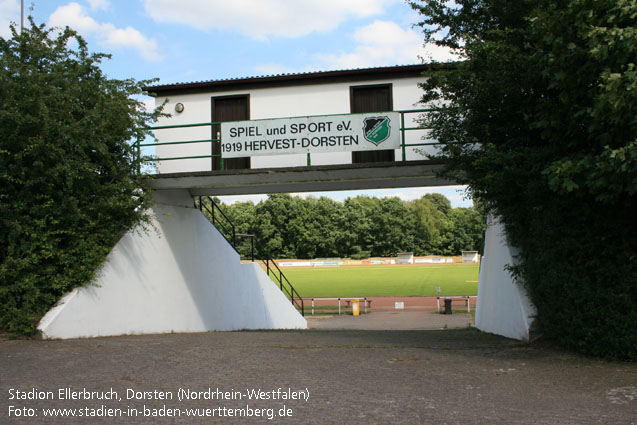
pixel 324 231
pixel 430 219
pixel 464 231
pixel 242 214
pixel 359 217
pixel 391 225
pixel 540 119
pixel 360 227
pixel 69 181
pixel 440 201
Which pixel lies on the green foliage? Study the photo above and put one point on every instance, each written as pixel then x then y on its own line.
pixel 359 227
pixel 462 231
pixel 430 221
pixel 540 119
pixel 69 186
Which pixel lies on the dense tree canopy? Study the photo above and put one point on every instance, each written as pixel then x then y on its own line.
pixel 540 119
pixel 360 227
pixel 69 187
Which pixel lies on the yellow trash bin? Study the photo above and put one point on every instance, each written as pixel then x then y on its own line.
pixel 356 310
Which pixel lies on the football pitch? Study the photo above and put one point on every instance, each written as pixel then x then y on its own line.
pixel 384 281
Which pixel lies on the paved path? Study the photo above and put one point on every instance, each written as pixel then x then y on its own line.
pixel 403 320
pixel 352 377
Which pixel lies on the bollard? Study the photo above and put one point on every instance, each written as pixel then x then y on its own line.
pixel 356 307
pixel 448 306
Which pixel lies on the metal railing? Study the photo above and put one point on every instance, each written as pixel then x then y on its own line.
pixel 139 145
pixel 466 298
pixel 366 302
pixel 226 227
pixel 287 288
pixel 228 230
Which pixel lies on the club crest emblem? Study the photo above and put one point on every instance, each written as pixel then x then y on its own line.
pixel 376 129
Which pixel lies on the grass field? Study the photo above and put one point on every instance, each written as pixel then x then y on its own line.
pixel 384 281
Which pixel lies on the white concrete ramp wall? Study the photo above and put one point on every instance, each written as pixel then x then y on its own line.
pixel 503 305
pixel 181 277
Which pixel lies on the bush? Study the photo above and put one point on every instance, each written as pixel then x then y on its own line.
pixel 69 186
pixel 540 119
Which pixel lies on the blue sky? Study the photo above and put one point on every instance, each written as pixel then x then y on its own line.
pixel 195 40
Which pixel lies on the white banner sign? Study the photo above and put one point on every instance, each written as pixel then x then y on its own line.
pixel 317 134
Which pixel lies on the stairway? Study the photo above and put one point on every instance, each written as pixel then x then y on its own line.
pixel 224 225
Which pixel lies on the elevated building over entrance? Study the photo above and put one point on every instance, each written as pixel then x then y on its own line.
pixel 316 131
pixel 293 95
pixel 330 153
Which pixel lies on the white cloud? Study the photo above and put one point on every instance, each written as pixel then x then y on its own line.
pixel 264 18
pixel 74 15
pixel 384 43
pixel 9 12
pixel 99 4
pixel 381 43
pixel 130 37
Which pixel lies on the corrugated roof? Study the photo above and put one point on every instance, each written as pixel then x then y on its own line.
pixel 291 78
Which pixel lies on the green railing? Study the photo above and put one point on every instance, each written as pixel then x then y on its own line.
pixel 227 229
pixel 139 145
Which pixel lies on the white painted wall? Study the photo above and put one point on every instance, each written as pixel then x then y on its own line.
pixel 503 307
pixel 183 277
pixel 303 100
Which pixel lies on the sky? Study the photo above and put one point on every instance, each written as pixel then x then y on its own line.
pixel 198 40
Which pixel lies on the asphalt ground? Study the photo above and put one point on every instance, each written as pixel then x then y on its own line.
pixel 458 376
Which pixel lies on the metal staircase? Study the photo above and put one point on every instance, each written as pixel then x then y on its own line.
pixel 216 216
